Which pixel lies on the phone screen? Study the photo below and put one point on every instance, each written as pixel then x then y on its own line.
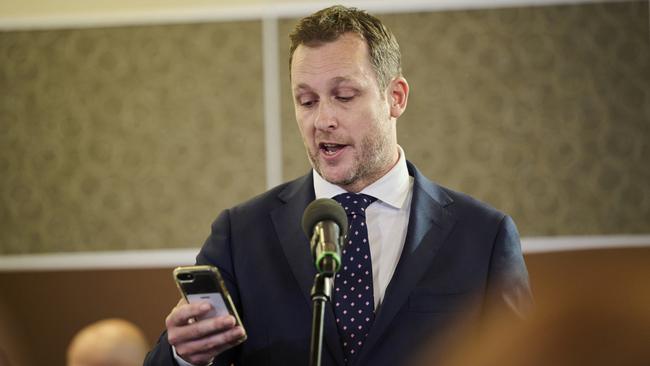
pixel 214 298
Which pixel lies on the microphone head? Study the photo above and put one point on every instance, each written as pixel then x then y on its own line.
pixel 324 209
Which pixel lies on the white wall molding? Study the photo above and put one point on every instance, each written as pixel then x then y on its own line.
pixel 92 17
pixel 542 244
pixel 126 259
pixel 272 118
pixel 167 258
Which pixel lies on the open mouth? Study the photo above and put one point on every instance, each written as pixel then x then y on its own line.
pixel 330 149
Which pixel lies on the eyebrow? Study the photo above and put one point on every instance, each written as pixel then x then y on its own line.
pixel 334 82
pixel 301 86
pixel 341 79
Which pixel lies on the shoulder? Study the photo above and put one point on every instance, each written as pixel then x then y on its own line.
pixel 274 197
pixel 471 207
pixel 458 204
pixel 251 221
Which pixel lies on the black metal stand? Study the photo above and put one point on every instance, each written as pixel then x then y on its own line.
pixel 321 293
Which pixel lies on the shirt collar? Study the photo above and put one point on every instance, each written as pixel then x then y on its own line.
pixel 392 188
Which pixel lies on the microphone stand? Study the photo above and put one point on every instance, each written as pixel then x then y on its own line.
pixel 321 293
pixel 326 242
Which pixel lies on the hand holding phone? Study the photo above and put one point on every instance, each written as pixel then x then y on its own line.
pixel 217 332
pixel 204 283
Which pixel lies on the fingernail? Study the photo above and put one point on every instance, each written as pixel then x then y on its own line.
pixel 205 307
pixel 241 335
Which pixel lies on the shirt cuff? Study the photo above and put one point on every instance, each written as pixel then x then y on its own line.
pixel 181 362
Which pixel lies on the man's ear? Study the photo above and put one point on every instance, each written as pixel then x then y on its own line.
pixel 398 94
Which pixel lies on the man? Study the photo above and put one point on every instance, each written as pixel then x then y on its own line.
pixel 431 251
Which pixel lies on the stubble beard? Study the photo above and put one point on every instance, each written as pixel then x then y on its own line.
pixel 369 163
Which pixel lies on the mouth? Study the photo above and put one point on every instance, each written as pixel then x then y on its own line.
pixel 330 149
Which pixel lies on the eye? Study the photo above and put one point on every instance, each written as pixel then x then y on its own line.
pixel 307 103
pixel 306 100
pixel 344 98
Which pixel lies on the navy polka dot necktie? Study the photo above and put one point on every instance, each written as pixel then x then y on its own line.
pixel 354 304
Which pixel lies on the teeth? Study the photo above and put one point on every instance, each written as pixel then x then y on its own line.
pixel 330 149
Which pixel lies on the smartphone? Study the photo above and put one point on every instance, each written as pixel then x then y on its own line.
pixel 204 283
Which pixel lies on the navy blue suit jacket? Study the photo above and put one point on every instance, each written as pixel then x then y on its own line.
pixel 459 255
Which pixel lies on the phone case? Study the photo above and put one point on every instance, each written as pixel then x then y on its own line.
pixel 205 283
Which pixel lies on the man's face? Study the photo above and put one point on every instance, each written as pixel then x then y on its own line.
pixel 344 118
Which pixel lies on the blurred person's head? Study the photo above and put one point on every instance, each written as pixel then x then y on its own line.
pixel 110 342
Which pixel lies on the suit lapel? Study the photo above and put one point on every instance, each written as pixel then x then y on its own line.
pixel 429 226
pixel 286 220
pixel 295 244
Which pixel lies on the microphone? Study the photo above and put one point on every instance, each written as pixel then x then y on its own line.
pixel 326 223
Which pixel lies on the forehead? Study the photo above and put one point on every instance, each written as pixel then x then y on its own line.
pixel 345 58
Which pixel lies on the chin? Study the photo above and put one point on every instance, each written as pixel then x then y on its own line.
pixel 332 178
pixel 338 173
pixel 340 178
pixel 329 174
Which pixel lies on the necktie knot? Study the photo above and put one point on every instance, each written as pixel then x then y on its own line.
pixel 355 203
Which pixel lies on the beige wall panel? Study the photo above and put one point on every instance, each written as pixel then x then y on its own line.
pixel 294 157
pixel 544 112
pixel 127 138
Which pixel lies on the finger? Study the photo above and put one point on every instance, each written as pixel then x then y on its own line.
pixel 236 338
pixel 182 313
pixel 200 329
pixel 205 348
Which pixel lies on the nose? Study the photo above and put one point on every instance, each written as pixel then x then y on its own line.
pixel 325 116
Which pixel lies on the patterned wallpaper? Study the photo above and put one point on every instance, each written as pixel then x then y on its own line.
pixel 543 112
pixel 136 137
pixel 127 137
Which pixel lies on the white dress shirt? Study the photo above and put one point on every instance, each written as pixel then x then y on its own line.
pixel 387 219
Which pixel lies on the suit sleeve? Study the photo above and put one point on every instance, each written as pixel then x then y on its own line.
pixel 216 251
pixel 508 288
pixel 161 354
